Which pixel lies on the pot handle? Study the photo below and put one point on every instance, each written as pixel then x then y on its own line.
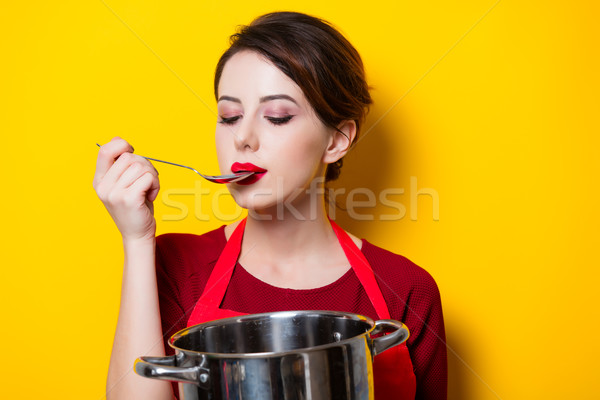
pixel 399 335
pixel 164 368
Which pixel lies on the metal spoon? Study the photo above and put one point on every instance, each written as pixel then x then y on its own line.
pixel 227 178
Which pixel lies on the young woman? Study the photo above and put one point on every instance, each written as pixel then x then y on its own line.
pixel 292 97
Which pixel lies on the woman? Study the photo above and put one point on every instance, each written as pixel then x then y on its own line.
pixel 291 96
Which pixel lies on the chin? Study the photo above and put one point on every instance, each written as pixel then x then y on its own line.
pixel 255 202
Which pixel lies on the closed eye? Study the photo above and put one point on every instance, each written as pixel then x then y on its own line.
pixel 230 120
pixel 280 120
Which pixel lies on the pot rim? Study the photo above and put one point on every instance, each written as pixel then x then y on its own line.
pixel 277 314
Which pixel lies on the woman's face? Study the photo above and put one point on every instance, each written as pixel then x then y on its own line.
pixel 266 124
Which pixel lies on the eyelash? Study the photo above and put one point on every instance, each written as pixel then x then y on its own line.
pixel 280 120
pixel 229 121
pixel 273 120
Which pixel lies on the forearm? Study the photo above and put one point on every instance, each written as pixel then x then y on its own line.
pixel 139 329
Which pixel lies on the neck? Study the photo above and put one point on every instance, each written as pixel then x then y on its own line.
pixel 287 251
pixel 288 233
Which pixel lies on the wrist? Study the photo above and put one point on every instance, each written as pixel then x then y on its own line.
pixel 139 253
pixel 137 242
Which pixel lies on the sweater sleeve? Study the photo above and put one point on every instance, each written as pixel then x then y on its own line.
pixel 183 264
pixel 171 311
pixel 172 314
pixel 427 342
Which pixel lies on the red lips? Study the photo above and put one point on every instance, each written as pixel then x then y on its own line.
pixel 248 167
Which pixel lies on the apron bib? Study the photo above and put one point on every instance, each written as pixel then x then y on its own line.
pixel 393 374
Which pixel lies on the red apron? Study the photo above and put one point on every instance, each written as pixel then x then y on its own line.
pixel 392 370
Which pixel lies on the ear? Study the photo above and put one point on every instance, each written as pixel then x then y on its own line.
pixel 340 141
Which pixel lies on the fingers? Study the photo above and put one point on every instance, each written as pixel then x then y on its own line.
pixel 139 181
pixel 107 156
pixel 126 170
pixel 154 189
pixel 145 185
pixel 123 172
pixel 127 184
pixel 133 197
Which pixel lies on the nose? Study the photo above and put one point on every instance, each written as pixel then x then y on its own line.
pixel 245 137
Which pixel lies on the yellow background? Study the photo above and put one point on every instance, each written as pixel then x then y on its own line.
pixel 492 105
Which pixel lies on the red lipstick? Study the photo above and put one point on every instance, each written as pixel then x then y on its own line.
pixel 248 167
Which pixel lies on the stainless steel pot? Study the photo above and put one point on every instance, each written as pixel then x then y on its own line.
pixel 295 355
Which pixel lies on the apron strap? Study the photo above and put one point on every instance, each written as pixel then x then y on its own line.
pixel 215 288
pixel 217 283
pixel 363 271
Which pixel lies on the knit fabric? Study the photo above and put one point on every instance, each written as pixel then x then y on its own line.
pixel 184 263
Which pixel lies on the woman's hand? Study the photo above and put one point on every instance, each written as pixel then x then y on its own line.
pixel 127 184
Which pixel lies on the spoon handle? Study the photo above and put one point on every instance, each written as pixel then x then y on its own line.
pixel 163 161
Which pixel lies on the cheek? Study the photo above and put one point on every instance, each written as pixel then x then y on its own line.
pixel 309 145
pixel 223 147
pixel 302 156
pixel 219 142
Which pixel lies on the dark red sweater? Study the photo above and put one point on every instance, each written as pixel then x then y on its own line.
pixel 184 263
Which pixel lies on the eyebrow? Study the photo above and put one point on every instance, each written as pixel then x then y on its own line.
pixel 229 98
pixel 277 97
pixel 262 99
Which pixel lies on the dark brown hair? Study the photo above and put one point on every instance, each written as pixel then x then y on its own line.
pixel 318 58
